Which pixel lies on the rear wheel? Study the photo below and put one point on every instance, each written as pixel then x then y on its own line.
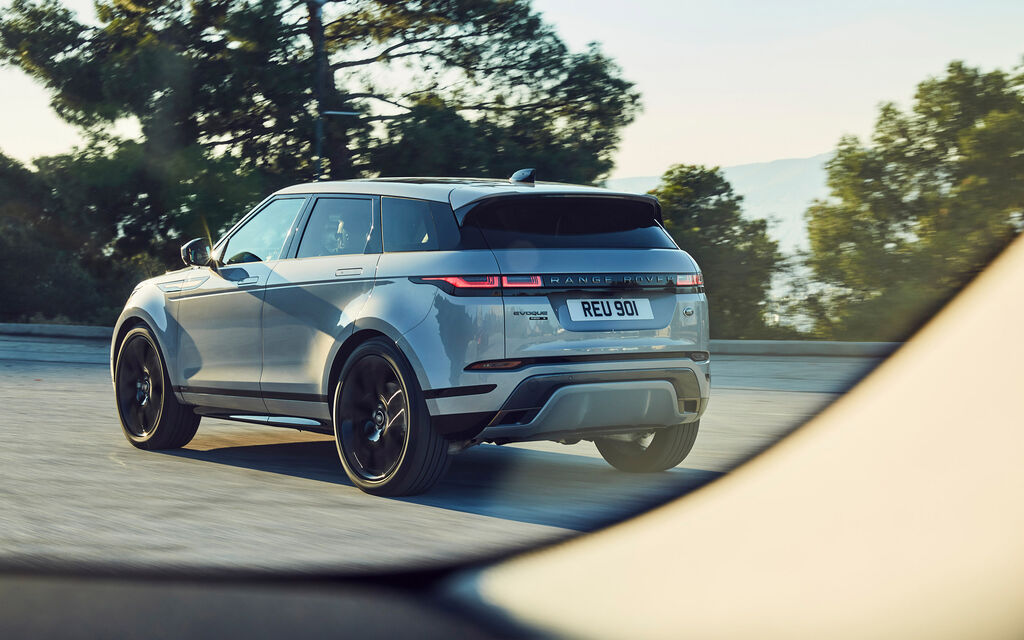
pixel 667 448
pixel 381 424
pixel 151 417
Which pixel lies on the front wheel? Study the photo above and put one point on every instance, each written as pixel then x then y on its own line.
pixel 381 425
pixel 666 449
pixel 151 417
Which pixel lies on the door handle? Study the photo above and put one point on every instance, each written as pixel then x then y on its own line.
pixel 249 280
pixel 351 271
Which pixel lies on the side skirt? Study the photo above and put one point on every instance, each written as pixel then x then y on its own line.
pixel 288 422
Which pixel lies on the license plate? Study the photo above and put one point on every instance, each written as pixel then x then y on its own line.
pixel 594 309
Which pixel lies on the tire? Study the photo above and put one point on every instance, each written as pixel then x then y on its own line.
pixel 151 417
pixel 669 447
pixel 381 425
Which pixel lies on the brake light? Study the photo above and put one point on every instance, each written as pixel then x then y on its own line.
pixel 469 282
pixel 690 280
pixel 520 281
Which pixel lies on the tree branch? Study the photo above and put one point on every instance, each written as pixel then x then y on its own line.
pixel 373 96
pixel 386 54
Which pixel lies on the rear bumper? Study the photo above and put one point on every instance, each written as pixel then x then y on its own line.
pixel 586 403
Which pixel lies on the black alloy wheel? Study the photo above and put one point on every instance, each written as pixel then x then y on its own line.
pixel 151 417
pixel 375 429
pixel 140 390
pixel 385 441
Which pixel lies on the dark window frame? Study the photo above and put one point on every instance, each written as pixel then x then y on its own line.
pixel 373 246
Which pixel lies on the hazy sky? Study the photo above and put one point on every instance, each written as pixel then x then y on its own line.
pixel 723 82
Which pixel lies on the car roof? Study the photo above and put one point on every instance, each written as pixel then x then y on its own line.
pixel 458 192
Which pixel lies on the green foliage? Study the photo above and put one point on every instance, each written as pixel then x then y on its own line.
pixel 235 78
pixel 920 211
pixel 49 257
pixel 222 92
pixel 737 257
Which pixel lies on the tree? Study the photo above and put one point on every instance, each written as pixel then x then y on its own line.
pixel 922 209
pixel 49 270
pixel 222 93
pixel 736 255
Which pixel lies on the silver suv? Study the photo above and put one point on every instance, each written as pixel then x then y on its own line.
pixel 412 318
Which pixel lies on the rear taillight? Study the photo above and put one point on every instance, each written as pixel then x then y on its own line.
pixel 520 281
pixel 488 282
pixel 689 280
pixel 469 282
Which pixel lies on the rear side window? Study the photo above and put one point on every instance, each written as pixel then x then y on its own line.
pixel 567 222
pixel 337 227
pixel 419 225
pixel 408 225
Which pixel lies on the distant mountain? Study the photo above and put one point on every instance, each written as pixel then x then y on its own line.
pixel 779 191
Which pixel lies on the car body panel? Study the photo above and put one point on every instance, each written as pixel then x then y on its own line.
pixel 540 325
pixel 150 305
pixel 310 305
pixel 455 332
pixel 440 331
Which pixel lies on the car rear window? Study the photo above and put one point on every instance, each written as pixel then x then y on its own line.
pixel 573 222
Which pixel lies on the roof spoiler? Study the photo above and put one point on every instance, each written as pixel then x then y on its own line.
pixel 463 210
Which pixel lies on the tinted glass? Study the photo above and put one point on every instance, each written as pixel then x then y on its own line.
pixel 449 235
pixel 408 225
pixel 264 235
pixel 337 227
pixel 568 223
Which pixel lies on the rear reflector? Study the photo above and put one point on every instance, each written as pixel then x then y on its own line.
pixel 520 281
pixel 496 364
pixel 690 280
pixel 469 282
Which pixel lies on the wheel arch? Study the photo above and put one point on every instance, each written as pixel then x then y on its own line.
pixel 344 351
pixel 127 325
pixel 164 333
pixel 367 328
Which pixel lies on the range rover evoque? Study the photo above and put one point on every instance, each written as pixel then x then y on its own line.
pixel 412 318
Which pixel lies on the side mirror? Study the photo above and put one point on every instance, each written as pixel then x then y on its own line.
pixel 196 253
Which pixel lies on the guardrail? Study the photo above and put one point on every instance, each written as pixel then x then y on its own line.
pixel 830 348
pixel 56 331
pixel 718 347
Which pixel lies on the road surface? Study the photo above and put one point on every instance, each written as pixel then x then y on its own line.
pixel 75 495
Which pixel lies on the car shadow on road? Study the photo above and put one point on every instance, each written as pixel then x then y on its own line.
pixel 552 489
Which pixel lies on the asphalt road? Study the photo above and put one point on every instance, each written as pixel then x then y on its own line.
pixel 75 494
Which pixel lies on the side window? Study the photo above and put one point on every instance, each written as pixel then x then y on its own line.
pixel 263 237
pixel 337 227
pixel 408 225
